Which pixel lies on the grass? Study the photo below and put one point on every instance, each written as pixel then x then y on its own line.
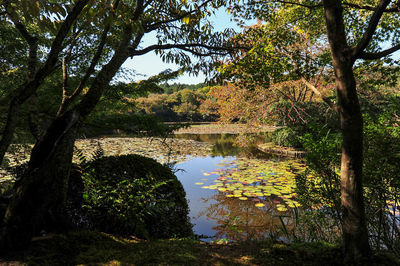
pixel 94 248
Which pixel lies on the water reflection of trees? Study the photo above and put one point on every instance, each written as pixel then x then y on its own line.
pixel 240 219
pixel 226 144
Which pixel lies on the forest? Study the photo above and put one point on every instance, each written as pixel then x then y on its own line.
pixel 287 154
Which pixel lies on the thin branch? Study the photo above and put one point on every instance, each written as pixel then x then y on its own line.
pixel 201 54
pixel 311 86
pixel 150 48
pixel 64 78
pixel 67 100
pixel 317 92
pixel 136 41
pixel 93 63
pixel 371 8
pixel 299 4
pixel 156 25
pixel 377 55
pixel 369 32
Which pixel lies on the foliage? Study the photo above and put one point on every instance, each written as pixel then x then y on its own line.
pixel 283 66
pixel 135 195
pixel 185 104
pixel 286 137
pixel 176 87
pixel 117 110
pixel 381 169
pixel 76 40
pixel 319 186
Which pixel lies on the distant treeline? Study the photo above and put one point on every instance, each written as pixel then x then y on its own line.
pixel 179 102
pixel 171 88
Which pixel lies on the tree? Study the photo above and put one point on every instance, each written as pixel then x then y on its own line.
pixel 283 69
pixel 115 29
pixel 355 31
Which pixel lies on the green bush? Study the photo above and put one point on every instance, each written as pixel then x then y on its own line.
pixel 381 181
pixel 319 186
pixel 287 137
pixel 131 194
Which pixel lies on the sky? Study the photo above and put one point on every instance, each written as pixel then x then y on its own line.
pixel 151 64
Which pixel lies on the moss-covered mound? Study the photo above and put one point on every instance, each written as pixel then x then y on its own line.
pixel 134 195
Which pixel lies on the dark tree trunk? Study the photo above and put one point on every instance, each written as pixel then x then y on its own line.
pixel 355 233
pixel 40 196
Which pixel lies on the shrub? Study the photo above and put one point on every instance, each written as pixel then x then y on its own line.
pixel 131 194
pixel 287 137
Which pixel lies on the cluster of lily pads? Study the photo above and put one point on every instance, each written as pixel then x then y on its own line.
pixel 258 180
pixel 162 150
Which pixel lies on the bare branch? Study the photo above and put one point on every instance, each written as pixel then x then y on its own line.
pixel 93 63
pixel 21 27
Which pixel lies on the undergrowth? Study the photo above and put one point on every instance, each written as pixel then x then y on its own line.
pixel 94 248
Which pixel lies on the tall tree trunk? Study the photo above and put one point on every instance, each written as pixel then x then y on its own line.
pixel 40 195
pixel 355 233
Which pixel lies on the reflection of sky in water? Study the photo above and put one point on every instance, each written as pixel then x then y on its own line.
pixel 233 218
pixel 193 172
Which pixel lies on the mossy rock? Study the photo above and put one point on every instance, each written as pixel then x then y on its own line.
pixel 135 195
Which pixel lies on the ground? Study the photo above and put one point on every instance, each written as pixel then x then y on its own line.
pixel 94 248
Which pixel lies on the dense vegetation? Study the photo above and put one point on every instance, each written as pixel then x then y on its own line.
pixel 133 195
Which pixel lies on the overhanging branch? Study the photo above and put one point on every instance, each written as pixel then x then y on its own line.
pixel 134 52
pixel 369 32
pixel 371 8
pixel 377 55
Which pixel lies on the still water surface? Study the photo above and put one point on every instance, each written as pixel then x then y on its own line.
pixel 222 217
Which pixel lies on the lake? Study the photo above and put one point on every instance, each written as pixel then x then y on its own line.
pixel 235 193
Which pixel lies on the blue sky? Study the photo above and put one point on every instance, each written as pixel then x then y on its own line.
pixel 150 64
